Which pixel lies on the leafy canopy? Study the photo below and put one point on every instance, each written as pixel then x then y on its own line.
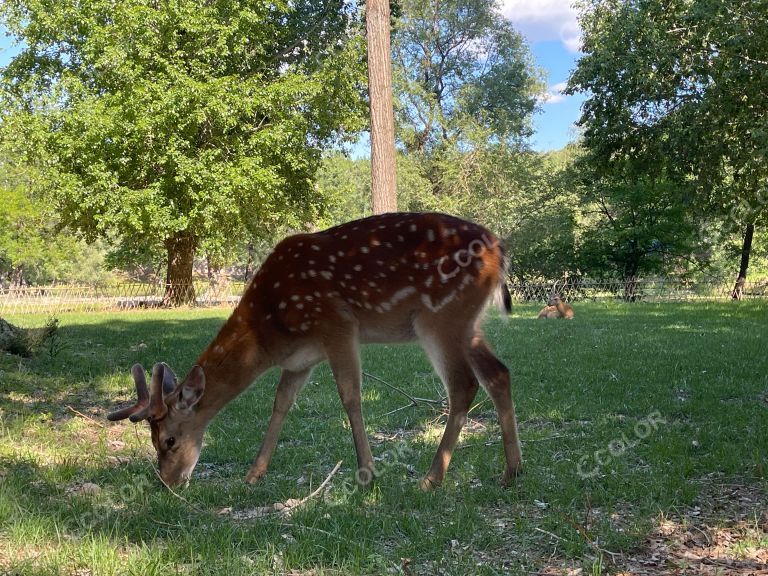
pixel 153 119
pixel 462 75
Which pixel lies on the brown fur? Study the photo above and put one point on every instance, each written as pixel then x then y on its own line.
pixel 556 308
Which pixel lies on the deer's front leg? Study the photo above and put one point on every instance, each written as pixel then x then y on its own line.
pixel 344 359
pixel 287 389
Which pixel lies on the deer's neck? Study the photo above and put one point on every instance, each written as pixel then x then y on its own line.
pixel 231 362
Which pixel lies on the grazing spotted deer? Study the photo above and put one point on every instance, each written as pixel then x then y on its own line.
pixel 392 278
pixel 556 308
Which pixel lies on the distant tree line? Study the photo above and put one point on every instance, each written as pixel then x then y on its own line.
pixel 161 138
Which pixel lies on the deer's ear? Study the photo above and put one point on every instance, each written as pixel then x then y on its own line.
pixel 192 389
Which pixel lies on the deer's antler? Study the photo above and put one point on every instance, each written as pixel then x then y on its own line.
pixel 151 402
pixel 141 392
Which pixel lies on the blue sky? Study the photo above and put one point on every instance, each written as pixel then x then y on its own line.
pixel 553 33
pixel 554 36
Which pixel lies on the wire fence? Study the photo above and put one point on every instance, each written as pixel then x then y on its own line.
pixel 114 297
pixel 657 289
pixel 137 296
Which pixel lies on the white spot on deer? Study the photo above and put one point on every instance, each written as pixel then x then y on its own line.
pixel 304 327
pixel 282 305
pixel 331 258
pixel 380 262
pixel 343 284
pixel 300 306
pixel 218 349
pixel 312 273
pixel 344 237
pixel 413 228
pixel 348 276
pixel 300 244
pixel 375 242
pixel 431 235
pixel 250 304
pixel 400 295
pixel 291 275
pixel 368 306
pixel 268 317
pixel 311 262
pixel 315 247
pixel 318 309
pixel 296 255
pixel 379 309
pixel 340 253
pixel 295 297
pixel 276 285
pixel 393 267
pixel 428 281
pixel 357 267
pixel 382 226
pixel 303 275
pixel 364 249
pixel 372 284
pixel 400 238
pixel 309 297
pixel 326 274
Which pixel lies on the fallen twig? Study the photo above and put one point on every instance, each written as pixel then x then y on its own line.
pixel 319 489
pixel 99 424
pixel 555 536
pixel 415 400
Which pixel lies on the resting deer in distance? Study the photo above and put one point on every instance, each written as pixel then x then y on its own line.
pixel 556 308
pixel 396 277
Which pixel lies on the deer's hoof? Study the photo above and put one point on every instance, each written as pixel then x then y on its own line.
pixel 427 484
pixel 511 475
pixel 254 475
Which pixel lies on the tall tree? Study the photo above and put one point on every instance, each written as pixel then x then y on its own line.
pixel 180 123
pixel 683 84
pixel 463 74
pixel 383 166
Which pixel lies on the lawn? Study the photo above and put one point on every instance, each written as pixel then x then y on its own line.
pixel 644 431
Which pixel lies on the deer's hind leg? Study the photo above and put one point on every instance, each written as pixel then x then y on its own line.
pixel 494 377
pixel 448 357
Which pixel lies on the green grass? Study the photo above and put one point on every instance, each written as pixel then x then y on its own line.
pixel 627 413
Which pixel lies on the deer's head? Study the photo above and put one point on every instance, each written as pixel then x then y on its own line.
pixel 554 299
pixel 171 411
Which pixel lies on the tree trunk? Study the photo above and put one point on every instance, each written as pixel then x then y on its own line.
pixel 179 289
pixel 746 249
pixel 631 270
pixel 383 167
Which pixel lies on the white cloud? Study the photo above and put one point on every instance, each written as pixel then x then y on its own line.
pixel 555 94
pixel 542 20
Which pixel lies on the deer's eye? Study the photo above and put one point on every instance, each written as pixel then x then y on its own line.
pixel 170 442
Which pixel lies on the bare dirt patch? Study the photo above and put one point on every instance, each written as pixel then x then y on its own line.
pixel 726 532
